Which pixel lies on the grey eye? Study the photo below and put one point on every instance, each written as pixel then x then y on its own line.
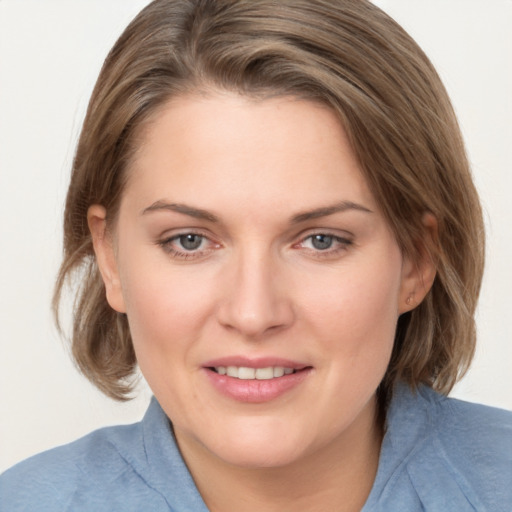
pixel 191 242
pixel 321 242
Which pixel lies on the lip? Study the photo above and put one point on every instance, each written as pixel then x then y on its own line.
pixel 256 391
pixel 258 362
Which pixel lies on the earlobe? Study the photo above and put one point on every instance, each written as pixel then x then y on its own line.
pixel 418 275
pixel 105 256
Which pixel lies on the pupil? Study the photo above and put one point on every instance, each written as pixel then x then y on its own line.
pixel 322 242
pixel 190 242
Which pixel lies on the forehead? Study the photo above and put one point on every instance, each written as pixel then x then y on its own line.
pixel 225 146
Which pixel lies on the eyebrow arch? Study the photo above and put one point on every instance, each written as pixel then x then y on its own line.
pixel 197 213
pixel 328 210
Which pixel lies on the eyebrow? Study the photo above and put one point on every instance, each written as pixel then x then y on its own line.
pixel 328 210
pixel 199 213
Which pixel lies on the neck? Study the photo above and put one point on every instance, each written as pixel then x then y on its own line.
pixel 338 476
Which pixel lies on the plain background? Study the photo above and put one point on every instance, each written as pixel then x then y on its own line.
pixel 50 55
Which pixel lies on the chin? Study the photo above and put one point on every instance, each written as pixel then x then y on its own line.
pixel 261 446
pixel 257 457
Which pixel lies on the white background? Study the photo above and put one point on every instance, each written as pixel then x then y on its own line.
pixel 50 55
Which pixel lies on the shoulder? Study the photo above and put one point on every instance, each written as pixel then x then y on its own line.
pixel 470 432
pixel 129 468
pixel 55 480
pixel 477 423
pixel 463 450
pixel 477 443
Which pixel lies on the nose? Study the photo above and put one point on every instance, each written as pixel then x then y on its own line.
pixel 256 299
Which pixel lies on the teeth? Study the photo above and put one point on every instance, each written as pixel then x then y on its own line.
pixel 244 373
pixel 264 373
pixel 279 371
pixel 232 371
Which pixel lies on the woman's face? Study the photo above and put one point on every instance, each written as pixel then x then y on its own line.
pixel 261 281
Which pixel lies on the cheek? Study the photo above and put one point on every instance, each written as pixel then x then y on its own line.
pixel 357 310
pixel 164 315
pixel 166 306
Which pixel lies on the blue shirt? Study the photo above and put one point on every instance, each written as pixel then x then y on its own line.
pixel 438 455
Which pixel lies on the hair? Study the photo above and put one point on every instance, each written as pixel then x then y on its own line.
pixel 347 54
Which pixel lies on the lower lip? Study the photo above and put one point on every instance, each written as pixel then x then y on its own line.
pixel 253 390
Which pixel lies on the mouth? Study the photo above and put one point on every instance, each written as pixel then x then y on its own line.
pixel 246 373
pixel 256 381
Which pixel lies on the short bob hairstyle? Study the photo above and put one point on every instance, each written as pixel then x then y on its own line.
pixel 346 54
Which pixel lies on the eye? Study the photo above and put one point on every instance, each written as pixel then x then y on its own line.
pixel 187 246
pixel 190 241
pixel 321 241
pixel 324 245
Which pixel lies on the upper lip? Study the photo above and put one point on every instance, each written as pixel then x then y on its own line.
pixel 258 362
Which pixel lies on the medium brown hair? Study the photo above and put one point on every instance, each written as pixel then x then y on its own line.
pixel 347 54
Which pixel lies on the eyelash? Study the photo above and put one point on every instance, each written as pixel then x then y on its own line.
pixel 167 245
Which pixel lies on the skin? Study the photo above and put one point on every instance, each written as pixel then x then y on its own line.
pixel 258 286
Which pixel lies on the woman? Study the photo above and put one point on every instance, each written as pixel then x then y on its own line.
pixel 272 215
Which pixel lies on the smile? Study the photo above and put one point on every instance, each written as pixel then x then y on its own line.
pixel 256 385
pixel 245 373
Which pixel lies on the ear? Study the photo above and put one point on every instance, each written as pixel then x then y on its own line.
pixel 105 256
pixel 418 275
